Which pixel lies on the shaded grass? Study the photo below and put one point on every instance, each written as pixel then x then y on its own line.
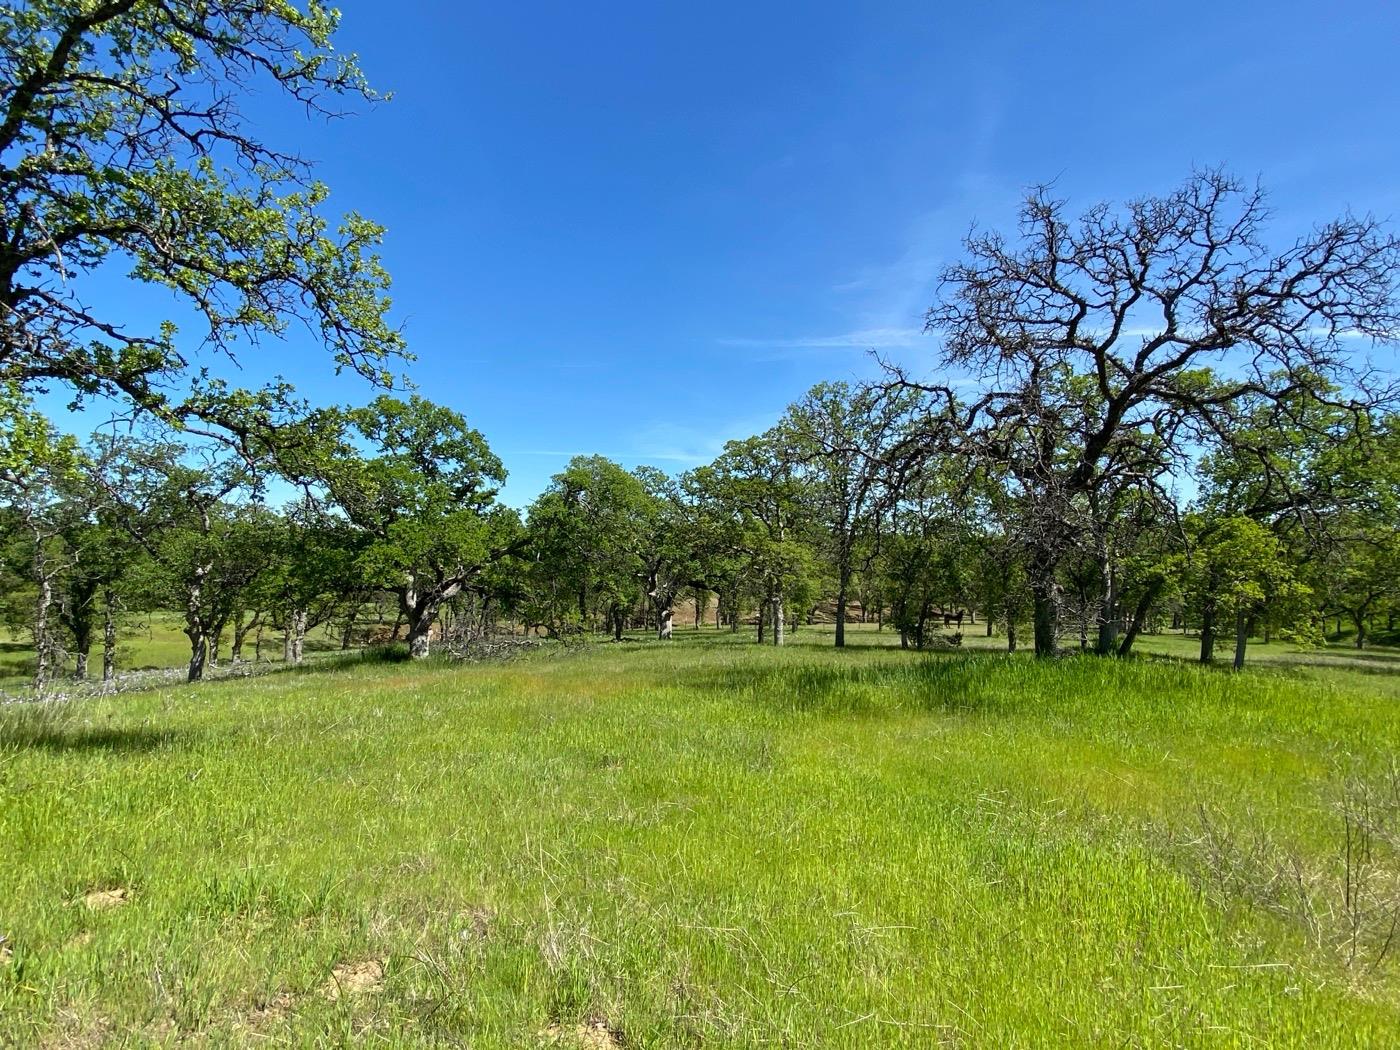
pixel 704 844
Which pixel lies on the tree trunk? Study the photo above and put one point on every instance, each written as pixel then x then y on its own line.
pixel 1208 633
pixel 1360 620
pixel 43 646
pixel 1043 613
pixel 1044 608
pixel 1144 606
pixel 1010 636
pixel 82 646
pixel 199 651
pixel 241 626
pixel 298 634
pixel 842 586
pixel 1241 637
pixel 1108 607
pixel 617 623
pixel 779 620
pixel 195 628
pixel 762 621
pixel 420 630
pixel 109 640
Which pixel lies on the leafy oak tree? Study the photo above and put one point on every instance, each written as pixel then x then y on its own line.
pixel 193 513
pixel 419 486
pixel 755 487
pixel 848 440
pixel 587 533
pixel 1234 567
pixel 123 149
pixel 37 466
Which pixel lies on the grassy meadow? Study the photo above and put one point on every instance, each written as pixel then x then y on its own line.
pixel 709 844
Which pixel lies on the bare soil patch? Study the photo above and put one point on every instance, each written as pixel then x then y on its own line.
pixel 593 1034
pixel 354 979
pixel 101 900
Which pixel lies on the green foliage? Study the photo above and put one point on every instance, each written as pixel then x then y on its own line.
pixel 754 501
pixel 589 531
pixel 1236 565
pixel 419 487
pixel 124 147
pixel 206 542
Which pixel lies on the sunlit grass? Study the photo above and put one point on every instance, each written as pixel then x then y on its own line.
pixel 696 844
pixel 150 642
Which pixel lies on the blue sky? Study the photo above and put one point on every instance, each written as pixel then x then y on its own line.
pixel 643 229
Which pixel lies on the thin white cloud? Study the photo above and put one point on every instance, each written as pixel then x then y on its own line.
pixel 692 445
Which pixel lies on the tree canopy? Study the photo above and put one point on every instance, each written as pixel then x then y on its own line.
pixel 124 150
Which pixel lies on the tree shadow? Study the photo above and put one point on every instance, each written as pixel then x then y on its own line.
pixel 948 681
pixel 16 660
pixel 57 738
pixel 1295 662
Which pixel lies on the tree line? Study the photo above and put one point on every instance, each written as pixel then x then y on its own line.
pixel 844 509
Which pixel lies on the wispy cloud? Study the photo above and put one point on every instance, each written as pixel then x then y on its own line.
pixel 692 445
pixel 862 339
pixel 879 304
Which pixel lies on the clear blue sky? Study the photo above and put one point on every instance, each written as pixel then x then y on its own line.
pixel 642 229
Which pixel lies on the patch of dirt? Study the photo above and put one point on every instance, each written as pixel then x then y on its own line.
pixel 271 1011
pixel 101 900
pixel 352 979
pixel 594 1034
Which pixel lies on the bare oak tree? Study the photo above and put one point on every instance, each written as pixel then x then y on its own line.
pixel 1109 349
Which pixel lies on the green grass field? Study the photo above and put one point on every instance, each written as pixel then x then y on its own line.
pixel 708 844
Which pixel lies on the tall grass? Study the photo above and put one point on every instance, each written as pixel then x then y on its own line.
pixel 702 844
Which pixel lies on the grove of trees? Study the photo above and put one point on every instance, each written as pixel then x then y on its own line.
pixel 860 503
pixel 1140 417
